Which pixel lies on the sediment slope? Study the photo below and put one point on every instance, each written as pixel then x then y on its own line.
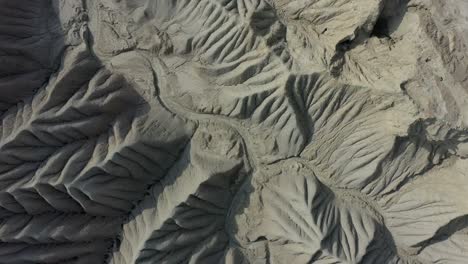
pixel 233 131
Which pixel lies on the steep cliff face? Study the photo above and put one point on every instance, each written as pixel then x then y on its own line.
pixel 233 131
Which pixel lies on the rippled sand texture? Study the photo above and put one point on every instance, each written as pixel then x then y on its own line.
pixel 233 131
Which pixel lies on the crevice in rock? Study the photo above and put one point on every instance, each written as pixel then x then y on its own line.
pixel 381 28
pixel 390 18
pixel 388 21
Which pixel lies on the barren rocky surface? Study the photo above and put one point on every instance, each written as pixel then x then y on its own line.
pixel 234 131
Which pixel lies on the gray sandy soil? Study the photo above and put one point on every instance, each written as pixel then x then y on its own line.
pixel 234 131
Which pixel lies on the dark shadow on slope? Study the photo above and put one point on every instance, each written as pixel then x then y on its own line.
pixel 390 18
pixel 446 231
pixel 31 42
pixel 387 23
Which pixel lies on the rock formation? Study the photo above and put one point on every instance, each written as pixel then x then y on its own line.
pixel 234 131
